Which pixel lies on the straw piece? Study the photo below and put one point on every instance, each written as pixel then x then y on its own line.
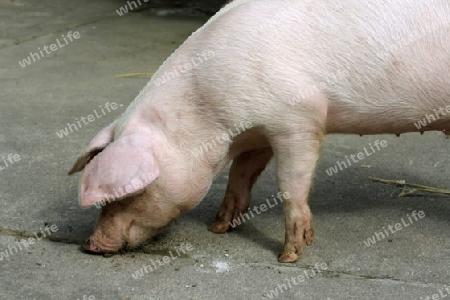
pixel 414 187
pixel 130 75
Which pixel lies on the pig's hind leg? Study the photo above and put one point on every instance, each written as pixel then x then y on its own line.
pixel 244 171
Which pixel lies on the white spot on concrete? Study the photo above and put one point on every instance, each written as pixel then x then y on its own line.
pixel 222 266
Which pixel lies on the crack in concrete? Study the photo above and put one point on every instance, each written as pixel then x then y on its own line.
pixel 15 233
pixel 26 234
pixel 338 273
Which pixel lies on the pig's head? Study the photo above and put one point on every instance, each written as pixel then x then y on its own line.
pixel 128 222
pixel 123 177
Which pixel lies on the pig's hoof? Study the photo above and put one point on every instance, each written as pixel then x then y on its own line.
pixel 291 252
pixel 219 226
pixel 309 235
pixel 289 256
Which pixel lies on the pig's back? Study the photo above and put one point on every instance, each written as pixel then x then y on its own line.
pixel 367 57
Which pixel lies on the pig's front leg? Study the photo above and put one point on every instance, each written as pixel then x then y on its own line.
pixel 244 171
pixel 296 156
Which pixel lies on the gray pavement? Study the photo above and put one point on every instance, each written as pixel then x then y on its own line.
pixel 38 100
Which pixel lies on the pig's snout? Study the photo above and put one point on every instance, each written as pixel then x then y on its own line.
pixel 112 240
pixel 92 245
pixel 100 243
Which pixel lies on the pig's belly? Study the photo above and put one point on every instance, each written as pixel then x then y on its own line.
pixel 393 102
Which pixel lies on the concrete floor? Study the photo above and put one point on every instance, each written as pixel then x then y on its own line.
pixel 40 99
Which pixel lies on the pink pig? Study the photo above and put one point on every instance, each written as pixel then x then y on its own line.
pixel 293 69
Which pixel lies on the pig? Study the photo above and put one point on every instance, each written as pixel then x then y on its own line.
pixel 296 70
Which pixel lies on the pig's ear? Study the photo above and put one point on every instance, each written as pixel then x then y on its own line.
pixel 124 168
pixel 98 143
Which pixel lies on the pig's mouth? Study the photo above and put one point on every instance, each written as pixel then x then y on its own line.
pixel 93 246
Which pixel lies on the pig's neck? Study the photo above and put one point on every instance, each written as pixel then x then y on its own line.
pixel 184 134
